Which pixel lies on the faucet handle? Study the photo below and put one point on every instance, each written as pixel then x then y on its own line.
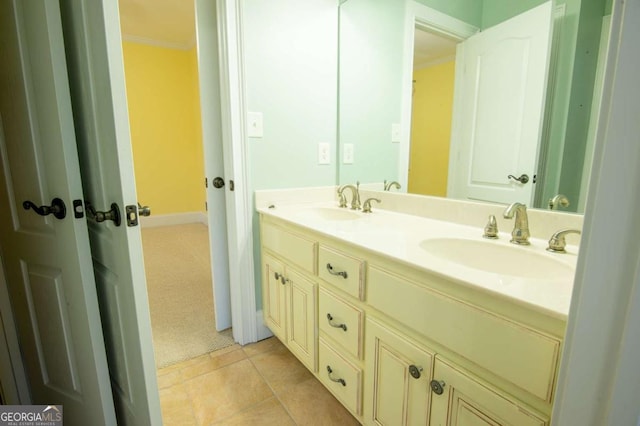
pixel 366 206
pixel 491 229
pixel 557 242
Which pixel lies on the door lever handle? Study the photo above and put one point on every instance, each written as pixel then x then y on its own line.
pixel 57 208
pixel 98 216
pixel 522 179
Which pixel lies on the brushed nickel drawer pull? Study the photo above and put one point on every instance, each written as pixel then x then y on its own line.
pixel 342 326
pixel 341 381
pixel 280 277
pixel 343 274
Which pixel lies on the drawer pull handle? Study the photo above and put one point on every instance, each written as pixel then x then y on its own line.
pixel 437 387
pixel 342 274
pixel 342 326
pixel 341 381
pixel 280 277
pixel 415 371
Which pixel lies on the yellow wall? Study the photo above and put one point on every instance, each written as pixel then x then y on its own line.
pixel 431 129
pixel 164 114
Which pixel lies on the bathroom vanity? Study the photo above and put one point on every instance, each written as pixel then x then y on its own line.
pixel 410 319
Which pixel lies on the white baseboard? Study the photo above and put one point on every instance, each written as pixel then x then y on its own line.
pixel 173 219
pixel 263 332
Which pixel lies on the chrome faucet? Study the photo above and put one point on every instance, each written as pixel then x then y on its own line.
pixel 355 196
pixel 557 243
pixel 520 233
pixel 388 185
pixel 560 200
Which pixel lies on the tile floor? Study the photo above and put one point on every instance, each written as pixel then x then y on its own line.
pixel 258 384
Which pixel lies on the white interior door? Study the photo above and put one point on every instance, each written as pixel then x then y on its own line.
pixel 209 75
pixel 47 259
pixel 96 74
pixel 501 77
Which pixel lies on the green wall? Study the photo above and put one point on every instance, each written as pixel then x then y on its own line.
pixel 370 87
pixel 570 98
pixel 469 11
pixel 290 64
pixel 496 11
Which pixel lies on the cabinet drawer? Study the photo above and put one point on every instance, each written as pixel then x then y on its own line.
pixel 342 271
pixel 342 378
pixel 342 322
pixel 517 353
pixel 295 248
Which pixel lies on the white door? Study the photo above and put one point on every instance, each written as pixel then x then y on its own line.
pixel 96 74
pixel 501 76
pixel 47 259
pixel 209 75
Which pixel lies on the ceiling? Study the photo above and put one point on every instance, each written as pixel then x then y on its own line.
pixel 431 49
pixel 165 22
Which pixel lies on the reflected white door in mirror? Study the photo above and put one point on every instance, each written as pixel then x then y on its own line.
pixel 501 76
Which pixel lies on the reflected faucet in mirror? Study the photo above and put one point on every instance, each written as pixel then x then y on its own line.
pixel 559 200
pixel 388 185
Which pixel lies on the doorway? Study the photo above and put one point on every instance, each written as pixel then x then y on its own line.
pixel 431 112
pixel 166 137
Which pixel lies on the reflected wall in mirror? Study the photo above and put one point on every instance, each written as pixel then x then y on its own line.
pixel 381 79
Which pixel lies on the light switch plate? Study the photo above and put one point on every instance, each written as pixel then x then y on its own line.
pixel 347 153
pixel 324 153
pixel 254 125
pixel 395 133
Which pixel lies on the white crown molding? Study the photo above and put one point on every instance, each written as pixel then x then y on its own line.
pixel 159 43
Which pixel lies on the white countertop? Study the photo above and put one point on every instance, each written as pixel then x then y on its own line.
pixel 398 236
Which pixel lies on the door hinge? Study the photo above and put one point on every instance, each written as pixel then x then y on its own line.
pixel 206 182
pixel 206 206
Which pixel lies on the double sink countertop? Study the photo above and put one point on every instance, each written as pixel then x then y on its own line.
pixel 525 274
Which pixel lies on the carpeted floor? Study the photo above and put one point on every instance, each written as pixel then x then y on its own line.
pixel 180 293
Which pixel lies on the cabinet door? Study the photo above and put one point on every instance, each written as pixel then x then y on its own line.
pixel 467 401
pixel 274 297
pixel 302 326
pixel 393 396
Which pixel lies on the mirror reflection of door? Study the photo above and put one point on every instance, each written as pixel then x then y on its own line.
pixel 467 149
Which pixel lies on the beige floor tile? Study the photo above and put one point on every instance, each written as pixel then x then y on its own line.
pixel 310 403
pixel 209 364
pixel 176 407
pixel 224 351
pixel 169 378
pixel 226 391
pixel 262 346
pixel 267 413
pixel 281 369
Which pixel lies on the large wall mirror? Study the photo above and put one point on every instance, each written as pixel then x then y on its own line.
pixel 449 98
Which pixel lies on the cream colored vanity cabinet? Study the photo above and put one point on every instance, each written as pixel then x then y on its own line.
pixel 289 295
pixel 398 376
pixel 398 345
pixel 460 399
pixel 493 360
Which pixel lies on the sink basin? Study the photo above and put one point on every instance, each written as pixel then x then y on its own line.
pixel 521 262
pixel 330 213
